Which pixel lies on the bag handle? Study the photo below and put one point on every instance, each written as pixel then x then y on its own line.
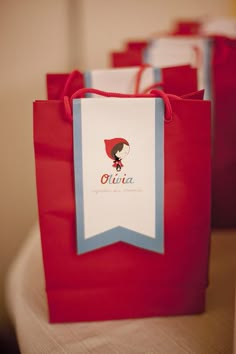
pixel 154 93
pixel 142 68
pixel 70 78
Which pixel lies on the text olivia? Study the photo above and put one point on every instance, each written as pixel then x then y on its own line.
pixel 115 179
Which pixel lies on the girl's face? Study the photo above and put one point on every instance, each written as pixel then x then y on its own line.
pixel 124 152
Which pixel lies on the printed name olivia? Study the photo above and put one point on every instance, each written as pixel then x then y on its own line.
pixel 114 179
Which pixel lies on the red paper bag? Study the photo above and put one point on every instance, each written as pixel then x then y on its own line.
pixel 136 45
pixel 122 280
pixel 187 28
pixel 170 79
pixel 131 56
pixel 224 132
pixel 142 79
pixel 172 82
pixel 60 85
pixel 217 71
pixel 126 58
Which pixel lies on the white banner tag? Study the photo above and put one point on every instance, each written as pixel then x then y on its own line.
pixel 119 172
pixel 121 79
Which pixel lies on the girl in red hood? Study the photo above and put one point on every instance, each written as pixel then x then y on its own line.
pixel 116 150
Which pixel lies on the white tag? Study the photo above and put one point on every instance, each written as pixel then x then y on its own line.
pixel 119 173
pixel 121 80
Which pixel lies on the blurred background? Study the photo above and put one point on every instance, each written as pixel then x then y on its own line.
pixel 57 36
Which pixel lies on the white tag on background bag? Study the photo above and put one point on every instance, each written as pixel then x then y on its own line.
pixel 121 79
pixel 223 26
pixel 119 172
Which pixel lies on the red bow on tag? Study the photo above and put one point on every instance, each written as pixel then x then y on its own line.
pixel 118 165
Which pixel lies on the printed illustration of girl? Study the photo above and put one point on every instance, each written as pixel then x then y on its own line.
pixel 117 149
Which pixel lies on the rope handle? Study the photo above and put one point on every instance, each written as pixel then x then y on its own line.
pixel 138 78
pixel 70 78
pixel 154 93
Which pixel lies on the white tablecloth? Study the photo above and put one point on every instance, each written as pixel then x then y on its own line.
pixel 209 333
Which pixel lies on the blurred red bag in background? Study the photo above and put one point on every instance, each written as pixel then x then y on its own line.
pixel 217 70
pixel 132 55
pixel 126 80
pixel 136 45
pixel 187 28
pixel 126 58
pixel 223 74
pixel 62 84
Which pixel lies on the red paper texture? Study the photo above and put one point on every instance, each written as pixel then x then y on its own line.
pixel 224 132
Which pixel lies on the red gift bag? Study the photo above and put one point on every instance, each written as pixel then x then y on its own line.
pixel 217 71
pixel 60 85
pixel 126 58
pixel 131 56
pixel 122 280
pixel 223 72
pixel 187 28
pixel 136 45
pixel 171 80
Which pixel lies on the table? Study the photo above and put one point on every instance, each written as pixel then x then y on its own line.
pixel 208 333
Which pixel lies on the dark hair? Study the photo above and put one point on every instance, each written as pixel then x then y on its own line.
pixel 116 148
